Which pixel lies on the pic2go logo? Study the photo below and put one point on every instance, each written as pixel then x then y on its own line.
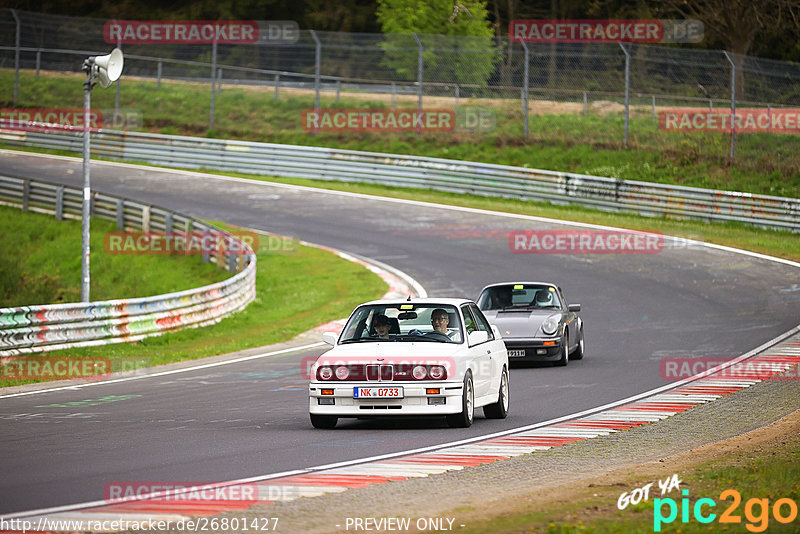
pixel 756 511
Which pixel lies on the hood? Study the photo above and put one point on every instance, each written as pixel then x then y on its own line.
pixel 391 352
pixel 519 324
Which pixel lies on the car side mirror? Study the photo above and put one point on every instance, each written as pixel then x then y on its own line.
pixel 574 307
pixel 478 337
pixel 330 338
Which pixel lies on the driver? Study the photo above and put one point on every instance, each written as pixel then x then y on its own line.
pixel 543 299
pixel 440 320
pixel 382 326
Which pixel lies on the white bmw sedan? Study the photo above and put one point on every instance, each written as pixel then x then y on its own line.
pixel 417 357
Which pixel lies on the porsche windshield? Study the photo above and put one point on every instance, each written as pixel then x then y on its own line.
pixel 436 323
pixel 519 296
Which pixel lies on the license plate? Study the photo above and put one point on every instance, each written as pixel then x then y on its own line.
pixel 378 393
pixel 519 353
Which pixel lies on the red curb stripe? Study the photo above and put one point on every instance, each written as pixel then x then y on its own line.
pixel 600 424
pixel 448 461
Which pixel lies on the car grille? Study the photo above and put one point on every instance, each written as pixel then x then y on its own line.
pixel 380 372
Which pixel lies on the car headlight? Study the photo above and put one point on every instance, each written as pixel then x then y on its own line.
pixel 325 373
pixel 419 372
pixel 550 325
pixel 342 372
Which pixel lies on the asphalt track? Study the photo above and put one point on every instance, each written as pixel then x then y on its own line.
pixel 250 418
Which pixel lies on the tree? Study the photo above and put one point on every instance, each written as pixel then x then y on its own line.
pixel 736 24
pixel 456 35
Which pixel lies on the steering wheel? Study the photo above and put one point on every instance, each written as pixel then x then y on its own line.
pixel 438 335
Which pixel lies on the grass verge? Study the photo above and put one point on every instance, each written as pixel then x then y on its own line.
pixel 40 263
pixel 763 473
pixel 298 288
pixel 560 137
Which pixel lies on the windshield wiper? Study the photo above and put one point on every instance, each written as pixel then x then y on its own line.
pixel 360 339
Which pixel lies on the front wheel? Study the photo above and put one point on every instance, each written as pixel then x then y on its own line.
pixel 323 421
pixel 464 418
pixel 564 354
pixel 499 410
pixel 578 355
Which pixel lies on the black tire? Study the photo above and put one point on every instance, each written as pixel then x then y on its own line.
pixel 564 354
pixel 324 421
pixel 465 417
pixel 499 410
pixel 578 354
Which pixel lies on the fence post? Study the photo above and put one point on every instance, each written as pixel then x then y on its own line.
pixel 654 107
pixel 219 81
pixel 60 203
pixel 457 95
pixel 420 66
pixel 16 56
pixel 120 214
pixel 584 103
pixel 168 223
pixel 338 89
pixel 627 91
pixel 213 81
pixel 38 61
pixel 116 101
pixel 277 84
pixel 317 62
pixel 733 101
pixel 26 194
pixel 394 92
pixel 158 76
pixel 525 88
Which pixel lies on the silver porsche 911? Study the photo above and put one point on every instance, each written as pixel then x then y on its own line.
pixel 535 320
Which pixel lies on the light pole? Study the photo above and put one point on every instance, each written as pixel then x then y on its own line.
pixel 105 70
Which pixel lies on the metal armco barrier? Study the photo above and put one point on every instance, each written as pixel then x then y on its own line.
pixel 29 329
pixel 429 173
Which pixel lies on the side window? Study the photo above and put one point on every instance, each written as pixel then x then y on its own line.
pixel 481 321
pixel 469 322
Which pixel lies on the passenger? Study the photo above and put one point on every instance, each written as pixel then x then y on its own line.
pixel 440 320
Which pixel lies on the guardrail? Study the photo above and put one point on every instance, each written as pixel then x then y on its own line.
pixel 430 173
pixel 29 329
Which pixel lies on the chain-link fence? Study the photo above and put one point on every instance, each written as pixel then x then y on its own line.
pixel 646 78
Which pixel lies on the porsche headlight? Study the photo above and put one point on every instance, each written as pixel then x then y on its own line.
pixel 550 325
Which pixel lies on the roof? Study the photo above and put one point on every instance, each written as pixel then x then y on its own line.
pixel 520 282
pixel 428 300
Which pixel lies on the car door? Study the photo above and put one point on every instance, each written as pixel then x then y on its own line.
pixel 573 322
pixel 480 355
pixel 498 356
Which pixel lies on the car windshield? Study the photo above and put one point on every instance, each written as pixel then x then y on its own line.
pixel 522 296
pixel 435 323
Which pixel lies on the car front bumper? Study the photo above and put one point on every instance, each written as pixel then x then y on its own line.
pixel 534 349
pixel 415 401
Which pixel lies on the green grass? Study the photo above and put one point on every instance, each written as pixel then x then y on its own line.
pixel 773 477
pixel 297 289
pixel 40 263
pixel 563 141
